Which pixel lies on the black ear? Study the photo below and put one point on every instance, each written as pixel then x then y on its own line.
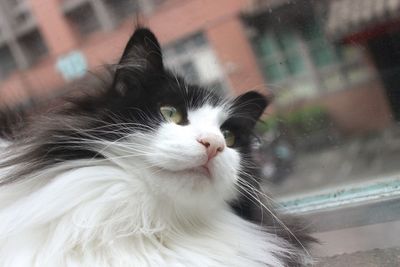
pixel 144 49
pixel 141 58
pixel 250 106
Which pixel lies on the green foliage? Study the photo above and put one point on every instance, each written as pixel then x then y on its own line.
pixel 300 122
pixel 268 124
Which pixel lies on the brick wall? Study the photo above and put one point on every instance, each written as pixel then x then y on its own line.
pixel 358 110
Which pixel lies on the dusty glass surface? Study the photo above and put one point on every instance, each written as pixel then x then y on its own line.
pixel 330 138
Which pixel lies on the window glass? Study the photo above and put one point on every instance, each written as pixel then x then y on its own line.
pixel 7 62
pixel 322 56
pixel 295 63
pixel 328 146
pixel 121 9
pixel 276 71
pixel 83 19
pixel 194 58
pixel 287 40
pixel 33 46
pixel 267 45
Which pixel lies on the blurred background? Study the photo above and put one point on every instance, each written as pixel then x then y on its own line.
pixel 329 145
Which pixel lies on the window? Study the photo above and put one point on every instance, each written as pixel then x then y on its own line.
pixel 281 55
pixel 33 46
pixel 22 18
pixel 195 59
pixel 7 62
pixel 84 19
pixel 300 62
pixel 18 15
pixel 15 2
pixel 329 149
pixel 121 9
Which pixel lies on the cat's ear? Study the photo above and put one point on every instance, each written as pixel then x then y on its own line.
pixel 250 106
pixel 141 57
pixel 143 49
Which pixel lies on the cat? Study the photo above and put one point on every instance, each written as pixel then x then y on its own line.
pixel 148 171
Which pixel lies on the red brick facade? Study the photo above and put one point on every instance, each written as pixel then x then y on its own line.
pixel 358 110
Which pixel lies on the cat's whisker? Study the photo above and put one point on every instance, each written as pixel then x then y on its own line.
pixel 277 219
pixel 249 176
pixel 246 193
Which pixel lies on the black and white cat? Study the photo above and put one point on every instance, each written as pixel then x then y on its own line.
pixel 151 171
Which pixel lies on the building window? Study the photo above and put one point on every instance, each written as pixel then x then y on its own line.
pixel 22 18
pixel 121 9
pixel 299 61
pixel 19 15
pixel 337 66
pixel 15 2
pixel 8 63
pixel 281 55
pixel 194 59
pixel 33 46
pixel 83 19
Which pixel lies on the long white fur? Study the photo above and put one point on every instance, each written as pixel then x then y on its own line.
pixel 141 206
pixel 3 144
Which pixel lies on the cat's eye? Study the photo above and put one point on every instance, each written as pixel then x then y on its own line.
pixel 229 138
pixel 171 114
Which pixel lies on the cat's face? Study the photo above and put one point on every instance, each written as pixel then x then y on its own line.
pixel 199 157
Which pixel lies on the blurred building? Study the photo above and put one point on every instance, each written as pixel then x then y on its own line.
pixel 306 63
pixel 293 48
pixel 374 25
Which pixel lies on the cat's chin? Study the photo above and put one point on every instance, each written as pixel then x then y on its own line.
pixel 199 172
pixel 187 187
pixel 202 171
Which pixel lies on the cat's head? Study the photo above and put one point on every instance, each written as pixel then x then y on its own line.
pixel 186 140
pixel 192 139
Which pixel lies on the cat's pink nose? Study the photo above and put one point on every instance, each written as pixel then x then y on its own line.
pixel 213 144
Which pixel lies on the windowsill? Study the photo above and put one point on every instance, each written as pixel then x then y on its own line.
pixel 381 188
pixel 357 239
pixel 346 232
pixel 364 222
pixel 374 257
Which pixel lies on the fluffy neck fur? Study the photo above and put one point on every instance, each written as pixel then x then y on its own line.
pixel 103 215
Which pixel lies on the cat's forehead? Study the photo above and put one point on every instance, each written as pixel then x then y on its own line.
pixel 176 90
pixel 208 114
